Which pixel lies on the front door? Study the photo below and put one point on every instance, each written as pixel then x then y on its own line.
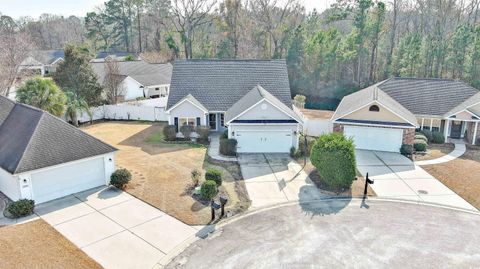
pixel 212 121
pixel 456 131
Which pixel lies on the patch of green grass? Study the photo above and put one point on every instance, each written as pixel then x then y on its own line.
pixel 156 138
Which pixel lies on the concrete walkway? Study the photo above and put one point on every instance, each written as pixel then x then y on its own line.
pixel 214 149
pixel 116 229
pixel 276 178
pixel 457 152
pixel 398 177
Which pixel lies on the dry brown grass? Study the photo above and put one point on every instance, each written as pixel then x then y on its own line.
pixel 435 151
pixel 356 190
pixel 161 172
pixel 36 244
pixel 461 175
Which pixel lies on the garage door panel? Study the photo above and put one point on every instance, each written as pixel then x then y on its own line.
pixel 64 180
pixel 374 138
pixel 264 141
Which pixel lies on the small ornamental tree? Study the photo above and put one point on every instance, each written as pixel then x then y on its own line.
pixel 169 132
pixel 195 174
pixel 334 157
pixel 203 132
pixel 120 178
pixel 208 190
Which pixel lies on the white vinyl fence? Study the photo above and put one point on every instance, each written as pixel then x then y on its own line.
pixel 138 110
pixel 314 127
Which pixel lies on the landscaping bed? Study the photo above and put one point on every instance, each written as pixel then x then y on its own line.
pixel 36 244
pixel 434 151
pixel 461 175
pixel 161 172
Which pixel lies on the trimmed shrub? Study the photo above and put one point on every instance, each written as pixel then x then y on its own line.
pixel 169 132
pixel 203 132
pixel 438 138
pixel 21 208
pixel 224 134
pixel 195 175
pixel 120 178
pixel 208 190
pixel 421 137
pixel 406 150
pixel 419 145
pixel 187 131
pixel 228 147
pixel 295 153
pixel 428 134
pixel 214 175
pixel 334 157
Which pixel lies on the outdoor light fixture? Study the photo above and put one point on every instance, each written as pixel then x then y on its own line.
pixel 233 133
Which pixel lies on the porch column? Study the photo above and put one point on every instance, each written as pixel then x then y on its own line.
pixel 446 127
pixel 475 133
pixel 431 124
pixel 423 122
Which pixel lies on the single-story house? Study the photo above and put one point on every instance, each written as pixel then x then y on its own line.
pixel 249 98
pixel 43 62
pixel 385 115
pixel 139 78
pixel 44 158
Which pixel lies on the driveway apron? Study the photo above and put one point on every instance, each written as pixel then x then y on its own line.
pixel 114 228
pixel 275 178
pixel 398 177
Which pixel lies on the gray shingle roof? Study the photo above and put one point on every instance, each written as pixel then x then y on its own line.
pixel 145 73
pixel 32 139
pixel 357 100
pixel 218 84
pixel 254 96
pixel 432 97
pixel 45 57
pixel 475 99
pixel 6 105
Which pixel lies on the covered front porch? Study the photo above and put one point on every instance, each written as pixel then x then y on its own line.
pixel 454 128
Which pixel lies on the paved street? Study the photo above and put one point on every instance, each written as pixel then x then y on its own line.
pixel 275 178
pixel 398 177
pixel 114 228
pixel 341 234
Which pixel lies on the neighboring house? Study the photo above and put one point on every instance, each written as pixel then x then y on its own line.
pixel 117 55
pixel 250 98
pixel 385 115
pixel 139 78
pixel 44 158
pixel 43 62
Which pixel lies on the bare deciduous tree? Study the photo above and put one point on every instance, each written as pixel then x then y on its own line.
pixel 113 81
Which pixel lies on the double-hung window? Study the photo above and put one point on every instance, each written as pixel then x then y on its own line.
pixel 187 121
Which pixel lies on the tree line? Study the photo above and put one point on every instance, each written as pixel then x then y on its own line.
pixel 351 45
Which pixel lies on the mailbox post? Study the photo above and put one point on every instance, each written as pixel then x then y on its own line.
pixel 223 202
pixel 214 206
pixel 367 181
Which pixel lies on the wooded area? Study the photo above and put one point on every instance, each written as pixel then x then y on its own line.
pixel 353 44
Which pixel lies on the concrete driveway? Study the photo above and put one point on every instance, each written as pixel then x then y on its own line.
pixel 275 178
pixel 341 234
pixel 114 228
pixel 398 177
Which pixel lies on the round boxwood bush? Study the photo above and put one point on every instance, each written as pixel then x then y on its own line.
pixel 214 175
pixel 228 147
pixel 208 190
pixel 428 134
pixel 419 145
pixel 438 138
pixel 187 131
pixel 169 132
pixel 334 157
pixel 120 178
pixel 406 150
pixel 21 208
pixel 421 136
pixel 203 132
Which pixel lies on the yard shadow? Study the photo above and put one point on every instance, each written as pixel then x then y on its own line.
pixel 316 208
pixel 140 140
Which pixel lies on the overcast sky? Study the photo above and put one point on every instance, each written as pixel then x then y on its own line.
pixel 34 8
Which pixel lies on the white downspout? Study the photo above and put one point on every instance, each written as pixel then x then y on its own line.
pixel 475 133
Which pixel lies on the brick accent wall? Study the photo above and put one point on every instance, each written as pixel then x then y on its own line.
pixel 470 131
pixel 338 128
pixel 408 136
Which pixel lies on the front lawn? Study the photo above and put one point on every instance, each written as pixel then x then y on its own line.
pixel 161 170
pixel 435 151
pixel 36 244
pixel 461 175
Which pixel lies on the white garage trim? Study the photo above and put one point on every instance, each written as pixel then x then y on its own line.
pixel 374 138
pixel 281 143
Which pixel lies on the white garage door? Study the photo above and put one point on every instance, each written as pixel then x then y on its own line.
pixel 263 141
pixel 371 138
pixel 76 177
